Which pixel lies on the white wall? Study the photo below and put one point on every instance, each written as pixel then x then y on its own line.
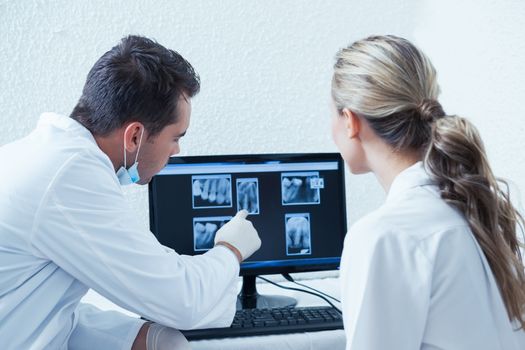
pixel 266 65
pixel 478 48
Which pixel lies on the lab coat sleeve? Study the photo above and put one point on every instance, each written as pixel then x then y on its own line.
pixel 85 226
pixel 97 329
pixel 385 282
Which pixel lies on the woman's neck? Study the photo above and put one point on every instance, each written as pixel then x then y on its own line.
pixel 387 165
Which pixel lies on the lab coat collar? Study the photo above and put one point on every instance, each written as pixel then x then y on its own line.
pixel 413 176
pixel 70 125
pixel 65 123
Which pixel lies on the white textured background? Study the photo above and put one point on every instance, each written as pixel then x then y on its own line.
pixel 266 65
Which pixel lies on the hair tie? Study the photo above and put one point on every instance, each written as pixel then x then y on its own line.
pixel 430 110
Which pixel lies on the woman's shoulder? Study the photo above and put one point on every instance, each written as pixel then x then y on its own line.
pixel 408 222
pixel 370 229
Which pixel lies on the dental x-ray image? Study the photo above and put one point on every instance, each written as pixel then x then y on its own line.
pixel 248 195
pixel 211 191
pixel 301 188
pixel 204 230
pixel 297 227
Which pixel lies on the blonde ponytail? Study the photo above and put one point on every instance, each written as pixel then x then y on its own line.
pixel 457 163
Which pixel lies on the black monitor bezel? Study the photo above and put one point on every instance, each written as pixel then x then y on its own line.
pixel 257 158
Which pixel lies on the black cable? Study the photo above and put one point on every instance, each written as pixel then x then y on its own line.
pixel 289 278
pixel 301 290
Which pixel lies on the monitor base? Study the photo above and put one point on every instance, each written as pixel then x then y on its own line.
pixel 248 298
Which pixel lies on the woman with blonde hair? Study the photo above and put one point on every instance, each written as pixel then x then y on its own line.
pixel 438 265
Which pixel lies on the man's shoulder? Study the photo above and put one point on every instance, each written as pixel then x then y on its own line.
pixel 51 151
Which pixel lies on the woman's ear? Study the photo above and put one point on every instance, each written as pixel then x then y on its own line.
pixel 352 123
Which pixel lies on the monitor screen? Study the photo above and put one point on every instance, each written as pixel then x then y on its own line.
pixel 295 201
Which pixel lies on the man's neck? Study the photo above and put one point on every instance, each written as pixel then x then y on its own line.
pixel 111 145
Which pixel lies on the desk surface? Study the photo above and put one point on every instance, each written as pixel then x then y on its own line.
pixel 333 340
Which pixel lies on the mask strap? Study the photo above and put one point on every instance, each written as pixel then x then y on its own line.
pixel 140 142
pixel 137 156
pixel 125 162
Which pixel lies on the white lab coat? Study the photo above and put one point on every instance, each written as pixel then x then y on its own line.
pixel 65 227
pixel 414 277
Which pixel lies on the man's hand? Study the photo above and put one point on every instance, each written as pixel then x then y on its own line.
pixel 233 249
pixel 240 234
pixel 140 340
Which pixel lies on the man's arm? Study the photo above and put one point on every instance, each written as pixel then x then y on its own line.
pixel 140 340
pixel 97 329
pixel 85 226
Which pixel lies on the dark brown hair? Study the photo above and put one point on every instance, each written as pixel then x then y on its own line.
pixel 137 80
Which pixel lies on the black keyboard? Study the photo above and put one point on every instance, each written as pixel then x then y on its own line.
pixel 248 322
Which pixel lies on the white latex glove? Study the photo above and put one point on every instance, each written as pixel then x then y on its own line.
pixel 165 338
pixel 241 234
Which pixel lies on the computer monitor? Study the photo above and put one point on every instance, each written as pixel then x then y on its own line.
pixel 295 201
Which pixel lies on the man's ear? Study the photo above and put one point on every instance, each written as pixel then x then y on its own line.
pixel 352 123
pixel 132 134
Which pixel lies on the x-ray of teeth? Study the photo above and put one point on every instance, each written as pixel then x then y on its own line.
pixel 204 230
pixel 211 191
pixel 248 195
pixel 300 188
pixel 298 240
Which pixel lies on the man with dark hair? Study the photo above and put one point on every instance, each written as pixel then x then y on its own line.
pixel 65 226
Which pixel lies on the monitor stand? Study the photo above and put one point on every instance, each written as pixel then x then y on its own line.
pixel 248 298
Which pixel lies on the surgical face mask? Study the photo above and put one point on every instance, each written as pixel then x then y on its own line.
pixel 131 175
